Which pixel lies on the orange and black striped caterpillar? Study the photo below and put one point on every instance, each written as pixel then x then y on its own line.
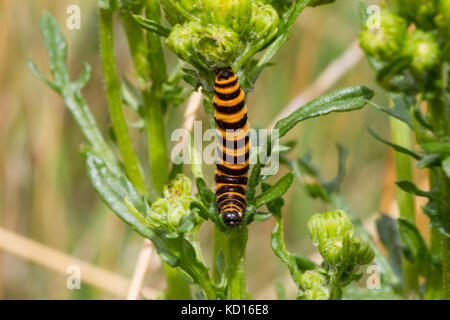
pixel 233 149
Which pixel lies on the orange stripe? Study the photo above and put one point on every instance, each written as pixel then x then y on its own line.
pixel 234 135
pixel 228 89
pixel 233 117
pixel 236 152
pixel 229 80
pixel 229 103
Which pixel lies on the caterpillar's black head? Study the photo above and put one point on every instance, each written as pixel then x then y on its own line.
pixel 225 74
pixel 231 218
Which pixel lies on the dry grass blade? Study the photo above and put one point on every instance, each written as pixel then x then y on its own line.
pixel 59 262
pixel 335 71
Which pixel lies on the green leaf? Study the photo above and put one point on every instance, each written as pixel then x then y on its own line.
pixel 387 229
pixel 415 244
pixel 400 110
pixel 152 26
pixel 261 216
pixel 429 160
pixel 396 147
pixel 303 263
pixel 333 185
pixel 280 290
pixel 437 148
pixel 386 74
pixel 206 195
pixel 446 166
pixel 56 47
pixel 275 191
pixel 410 187
pixel 114 189
pixel 344 100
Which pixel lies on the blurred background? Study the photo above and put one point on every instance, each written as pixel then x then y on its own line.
pixel 50 216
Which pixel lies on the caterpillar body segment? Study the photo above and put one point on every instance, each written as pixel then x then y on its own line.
pixel 233 150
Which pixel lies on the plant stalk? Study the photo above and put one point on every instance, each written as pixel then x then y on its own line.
pixel 112 85
pixel 401 135
pixel 235 258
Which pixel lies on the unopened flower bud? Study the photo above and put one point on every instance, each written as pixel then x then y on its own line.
pixel 166 212
pixel 233 14
pixel 174 9
pixel 322 293
pixel 443 17
pixel 327 226
pixel 311 279
pixel 332 252
pixel 365 253
pixel 264 22
pixel 385 40
pixel 423 48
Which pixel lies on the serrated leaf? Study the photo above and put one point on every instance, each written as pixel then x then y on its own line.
pixel 344 100
pixel 56 47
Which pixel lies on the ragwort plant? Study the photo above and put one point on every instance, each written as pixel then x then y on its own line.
pixel 205 36
pixel 409 51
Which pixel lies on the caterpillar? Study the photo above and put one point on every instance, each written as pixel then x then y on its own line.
pixel 230 114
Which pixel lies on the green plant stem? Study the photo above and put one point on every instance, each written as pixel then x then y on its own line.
pixel 441 125
pixel 112 85
pixel 177 289
pixel 235 259
pixel 445 259
pixel 219 243
pixel 401 135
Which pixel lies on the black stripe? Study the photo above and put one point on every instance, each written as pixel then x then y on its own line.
pixel 232 109
pixel 229 196
pixel 226 202
pixel 230 179
pixel 230 188
pixel 226 85
pixel 229 144
pixel 228 96
pixel 225 74
pixel 232 159
pixel 231 125
pixel 232 172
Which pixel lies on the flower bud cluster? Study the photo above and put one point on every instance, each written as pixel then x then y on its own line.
pixel 415 29
pixel 211 34
pixel 166 212
pixel 332 234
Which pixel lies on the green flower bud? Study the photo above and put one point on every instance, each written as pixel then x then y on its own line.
pixel 321 293
pixel 315 3
pixel 218 46
pixel 264 22
pixel 328 226
pixel 420 12
pixel 423 48
pixel 233 14
pixel 182 40
pixel 166 212
pixel 384 42
pixel 332 252
pixel 443 17
pixel 311 279
pixel 207 46
pixel 365 253
pixel 177 11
